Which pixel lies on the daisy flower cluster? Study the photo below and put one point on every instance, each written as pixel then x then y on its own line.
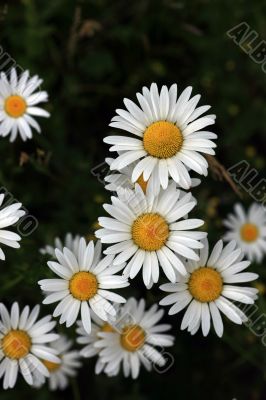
pixel 147 231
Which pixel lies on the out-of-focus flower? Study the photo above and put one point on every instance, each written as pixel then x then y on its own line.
pixel 248 230
pixel 60 372
pixel 70 241
pixel 122 179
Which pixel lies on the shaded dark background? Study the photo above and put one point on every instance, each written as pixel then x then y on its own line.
pixel 91 54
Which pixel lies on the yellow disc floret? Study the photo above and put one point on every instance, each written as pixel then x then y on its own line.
pixel 162 139
pixel 205 284
pixel 16 344
pixel 132 338
pixel 83 285
pixel 143 184
pixel 15 106
pixel 249 232
pixel 51 366
pixel 107 328
pixel 150 231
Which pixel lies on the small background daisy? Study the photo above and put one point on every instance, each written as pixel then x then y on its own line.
pixel 70 241
pixel 61 372
pixel 248 229
pixel 19 97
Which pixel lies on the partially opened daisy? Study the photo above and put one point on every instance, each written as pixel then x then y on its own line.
pixel 23 343
pixel 70 241
pixel 19 97
pixel 60 372
pixel 209 289
pixel 9 215
pixel 248 229
pixel 134 341
pixel 123 179
pixel 168 136
pixel 149 232
pixel 84 284
pixel 88 340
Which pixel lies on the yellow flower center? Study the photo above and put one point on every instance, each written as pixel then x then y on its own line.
pixel 107 328
pixel 150 231
pixel 16 344
pixel 249 232
pixel 143 184
pixel 15 106
pixel 162 139
pixel 132 338
pixel 51 366
pixel 83 285
pixel 205 284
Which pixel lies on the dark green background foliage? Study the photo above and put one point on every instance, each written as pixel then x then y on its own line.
pixel 91 54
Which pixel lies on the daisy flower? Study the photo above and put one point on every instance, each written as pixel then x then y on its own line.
pixel 9 216
pixel 151 232
pixel 208 289
pixel 23 342
pixel 134 340
pixel 122 179
pixel 248 230
pixel 70 241
pixel 83 284
pixel 18 104
pixel 62 371
pixel 168 136
pixel 89 340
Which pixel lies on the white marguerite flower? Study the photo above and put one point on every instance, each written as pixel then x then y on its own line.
pixel 84 284
pixel 62 371
pixel 134 339
pixel 23 344
pixel 18 104
pixel 168 136
pixel 151 232
pixel 208 289
pixel 9 215
pixel 122 179
pixel 89 340
pixel 70 241
pixel 248 230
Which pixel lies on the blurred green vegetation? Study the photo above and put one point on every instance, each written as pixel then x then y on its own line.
pixel 91 54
